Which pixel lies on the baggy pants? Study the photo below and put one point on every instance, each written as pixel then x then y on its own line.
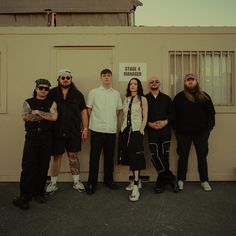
pixel 159 144
pixel 35 163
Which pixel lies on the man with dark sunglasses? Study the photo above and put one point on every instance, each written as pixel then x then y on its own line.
pixel 160 116
pixel 38 114
pixel 68 134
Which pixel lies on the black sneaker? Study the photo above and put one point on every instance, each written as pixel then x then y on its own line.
pixel 90 189
pixel 21 202
pixel 160 188
pixel 40 199
pixel 111 185
pixel 175 186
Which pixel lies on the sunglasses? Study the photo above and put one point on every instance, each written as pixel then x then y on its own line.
pixel 43 88
pixel 154 81
pixel 65 77
pixel 190 79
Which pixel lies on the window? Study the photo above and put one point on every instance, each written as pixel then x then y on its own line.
pixel 215 70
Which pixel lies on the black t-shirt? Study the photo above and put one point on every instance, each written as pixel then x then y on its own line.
pixel 69 111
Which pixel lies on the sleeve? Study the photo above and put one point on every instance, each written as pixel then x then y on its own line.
pixel 174 115
pixel 90 99
pixel 145 112
pixel 210 113
pixel 119 105
pixel 170 111
pixel 82 105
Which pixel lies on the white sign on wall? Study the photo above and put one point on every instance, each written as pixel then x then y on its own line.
pixel 128 71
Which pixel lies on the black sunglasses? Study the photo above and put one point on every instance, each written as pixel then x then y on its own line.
pixel 190 79
pixel 154 81
pixel 43 88
pixel 65 77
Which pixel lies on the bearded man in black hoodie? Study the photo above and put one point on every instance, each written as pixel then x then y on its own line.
pixel 195 118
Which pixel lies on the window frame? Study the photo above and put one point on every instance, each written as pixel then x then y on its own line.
pixel 218 108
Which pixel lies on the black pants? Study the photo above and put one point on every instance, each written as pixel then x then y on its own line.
pixel 159 144
pixel 35 163
pixel 98 142
pixel 200 142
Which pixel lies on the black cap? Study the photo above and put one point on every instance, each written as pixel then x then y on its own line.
pixel 42 81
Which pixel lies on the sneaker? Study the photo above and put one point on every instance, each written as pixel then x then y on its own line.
pixel 175 186
pixel 135 194
pixel 79 186
pixel 90 189
pixel 51 188
pixel 20 202
pixel 206 186
pixel 180 184
pixel 131 185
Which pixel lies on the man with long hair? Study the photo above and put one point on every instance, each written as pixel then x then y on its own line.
pixel 195 118
pixel 68 134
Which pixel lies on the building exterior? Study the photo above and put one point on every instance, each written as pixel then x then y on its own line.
pixel 68 13
pixel 27 53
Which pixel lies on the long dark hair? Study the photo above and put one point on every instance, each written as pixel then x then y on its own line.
pixel 139 89
pixel 194 94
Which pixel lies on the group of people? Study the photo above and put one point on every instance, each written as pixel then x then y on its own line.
pixel 58 119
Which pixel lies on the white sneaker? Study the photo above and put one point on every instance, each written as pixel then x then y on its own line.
pixel 131 185
pixel 135 194
pixel 51 188
pixel 79 186
pixel 181 184
pixel 206 186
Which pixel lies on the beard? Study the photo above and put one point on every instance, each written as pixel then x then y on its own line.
pixel 65 86
pixel 193 89
pixel 154 88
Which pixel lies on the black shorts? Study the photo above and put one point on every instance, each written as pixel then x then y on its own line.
pixel 65 144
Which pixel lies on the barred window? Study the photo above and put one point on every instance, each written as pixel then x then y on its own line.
pixel 215 70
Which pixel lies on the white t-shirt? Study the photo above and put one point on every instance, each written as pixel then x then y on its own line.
pixel 104 104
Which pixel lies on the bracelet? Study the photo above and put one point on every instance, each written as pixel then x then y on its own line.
pixel 85 130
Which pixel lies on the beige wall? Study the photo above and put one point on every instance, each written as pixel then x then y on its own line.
pixel 29 53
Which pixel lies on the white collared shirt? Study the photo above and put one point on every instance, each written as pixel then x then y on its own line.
pixel 104 104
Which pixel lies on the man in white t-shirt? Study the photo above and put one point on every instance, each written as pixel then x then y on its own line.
pixel 104 104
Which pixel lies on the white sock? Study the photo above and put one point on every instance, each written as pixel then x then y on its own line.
pixel 75 178
pixel 54 179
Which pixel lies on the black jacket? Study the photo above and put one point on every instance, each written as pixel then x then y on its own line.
pixel 193 117
pixel 160 108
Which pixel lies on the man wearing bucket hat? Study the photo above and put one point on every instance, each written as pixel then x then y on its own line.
pixel 195 118
pixel 68 134
pixel 38 114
